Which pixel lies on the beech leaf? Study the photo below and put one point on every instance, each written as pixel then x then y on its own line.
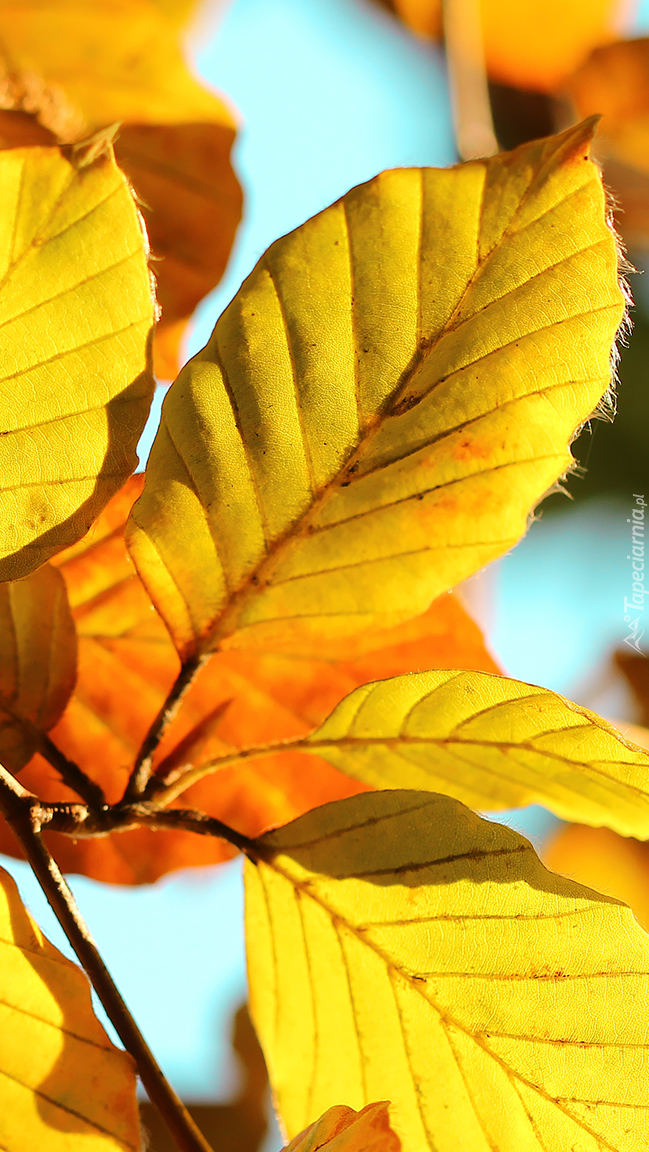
pixel 343 454
pixel 62 1082
pixel 112 59
pixel 341 1129
pixel 38 661
pixel 76 310
pixel 127 663
pixel 492 743
pixel 401 946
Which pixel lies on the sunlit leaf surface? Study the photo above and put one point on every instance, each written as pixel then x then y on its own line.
pixel 491 743
pixel 113 59
pixel 400 946
pixel 127 664
pixel 75 313
pixel 84 64
pixel 38 661
pixel 388 395
pixel 63 1084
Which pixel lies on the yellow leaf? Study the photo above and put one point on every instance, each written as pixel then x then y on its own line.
pixel 113 59
pixel 400 946
pixel 63 1085
pixel 532 45
pixel 386 398
pixel 76 311
pixel 38 661
pixel 491 743
pixel 341 1129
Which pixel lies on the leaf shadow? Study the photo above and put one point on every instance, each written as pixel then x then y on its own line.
pixel 88 1090
pixel 126 415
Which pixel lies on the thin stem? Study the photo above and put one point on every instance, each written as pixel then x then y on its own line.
pixel 474 130
pixel 193 821
pixel 162 790
pixel 23 814
pixel 141 772
pixel 72 774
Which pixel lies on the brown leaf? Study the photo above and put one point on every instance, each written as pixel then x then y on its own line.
pixel 127 663
pixel 38 658
pixel 240 1125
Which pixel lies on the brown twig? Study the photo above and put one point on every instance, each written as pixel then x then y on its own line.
pixel 141 772
pixel 72 774
pixel 24 814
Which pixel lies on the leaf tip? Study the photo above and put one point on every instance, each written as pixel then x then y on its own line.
pixel 84 153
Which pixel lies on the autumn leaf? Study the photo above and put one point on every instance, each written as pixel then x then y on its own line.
pixel 241 1124
pixel 341 1129
pixel 112 59
pixel 76 309
pixel 490 742
pixel 341 456
pixel 38 662
pixel 613 864
pixel 614 81
pixel 62 1082
pixel 127 664
pixel 191 201
pixel 399 945
pixel 533 45
pixel 79 66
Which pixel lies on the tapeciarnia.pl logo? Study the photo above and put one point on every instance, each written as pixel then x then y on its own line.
pixel 634 607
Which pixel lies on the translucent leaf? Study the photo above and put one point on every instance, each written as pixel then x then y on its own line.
pixel 63 1085
pixel 533 45
pixel 127 664
pixel 399 945
pixel 492 743
pixel 113 59
pixel 38 661
pixel 341 1129
pixel 386 398
pixel 76 311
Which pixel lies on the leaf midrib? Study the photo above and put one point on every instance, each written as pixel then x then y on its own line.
pixel 260 576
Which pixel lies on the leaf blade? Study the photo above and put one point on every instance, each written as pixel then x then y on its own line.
pixel 370 497
pixel 75 312
pixel 485 1029
pixel 53 1051
pixel 38 662
pixel 492 743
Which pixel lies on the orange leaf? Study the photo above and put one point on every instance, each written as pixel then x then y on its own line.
pixel 191 201
pixel 532 45
pixel 127 664
pixel 599 858
pixel 341 1129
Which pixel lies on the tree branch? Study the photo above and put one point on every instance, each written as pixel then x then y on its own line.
pixel 141 772
pixel 23 813
pixel 72 774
